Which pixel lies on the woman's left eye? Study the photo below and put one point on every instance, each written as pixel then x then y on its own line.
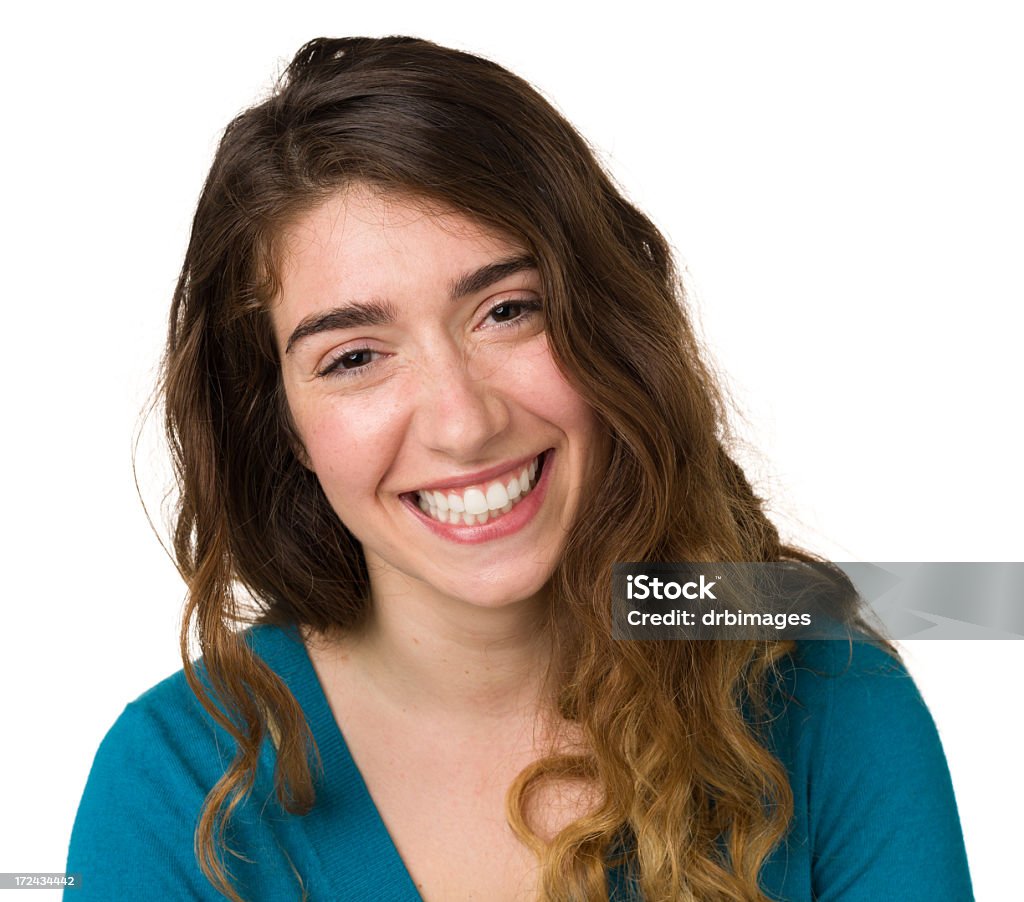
pixel 509 313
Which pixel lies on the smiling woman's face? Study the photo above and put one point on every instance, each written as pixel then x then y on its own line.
pixel 419 378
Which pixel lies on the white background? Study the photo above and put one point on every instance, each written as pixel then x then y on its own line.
pixel 844 182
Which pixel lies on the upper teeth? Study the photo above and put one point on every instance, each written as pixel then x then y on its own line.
pixel 479 503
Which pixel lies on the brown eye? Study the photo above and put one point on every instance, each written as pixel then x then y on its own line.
pixel 355 359
pixel 505 312
pixel 511 312
pixel 350 362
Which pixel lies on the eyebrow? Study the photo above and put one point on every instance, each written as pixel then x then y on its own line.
pixel 381 313
pixel 350 316
pixel 485 276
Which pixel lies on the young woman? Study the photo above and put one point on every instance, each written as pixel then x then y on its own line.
pixel 428 378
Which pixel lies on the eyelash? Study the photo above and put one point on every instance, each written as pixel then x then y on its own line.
pixel 334 368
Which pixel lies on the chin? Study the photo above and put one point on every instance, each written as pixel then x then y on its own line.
pixel 499 596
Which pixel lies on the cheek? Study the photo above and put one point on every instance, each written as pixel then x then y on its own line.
pixel 348 445
pixel 550 395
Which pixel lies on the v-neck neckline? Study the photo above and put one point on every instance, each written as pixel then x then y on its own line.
pixel 357 856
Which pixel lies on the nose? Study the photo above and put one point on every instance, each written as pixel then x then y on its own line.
pixel 460 408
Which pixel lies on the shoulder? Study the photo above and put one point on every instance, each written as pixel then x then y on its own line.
pixel 165 733
pixel 855 705
pixel 168 733
pixel 869 771
pixel 858 677
pixel 168 737
pixel 841 707
pixel 147 785
pixel 141 802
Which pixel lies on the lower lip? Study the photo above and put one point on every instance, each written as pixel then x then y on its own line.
pixel 505 525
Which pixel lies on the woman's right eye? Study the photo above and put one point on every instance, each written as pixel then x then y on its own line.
pixel 349 362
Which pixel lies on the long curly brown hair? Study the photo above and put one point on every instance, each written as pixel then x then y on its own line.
pixel 690 796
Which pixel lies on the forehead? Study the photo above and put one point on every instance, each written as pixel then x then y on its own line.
pixel 365 241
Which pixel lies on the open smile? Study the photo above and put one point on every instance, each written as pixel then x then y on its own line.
pixel 501 504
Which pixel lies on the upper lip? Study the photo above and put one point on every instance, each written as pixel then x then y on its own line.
pixel 465 479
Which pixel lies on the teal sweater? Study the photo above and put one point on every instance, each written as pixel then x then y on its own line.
pixel 874 815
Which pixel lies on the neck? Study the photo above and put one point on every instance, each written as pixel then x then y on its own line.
pixel 448 658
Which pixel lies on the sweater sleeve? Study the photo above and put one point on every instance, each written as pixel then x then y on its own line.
pixel 883 817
